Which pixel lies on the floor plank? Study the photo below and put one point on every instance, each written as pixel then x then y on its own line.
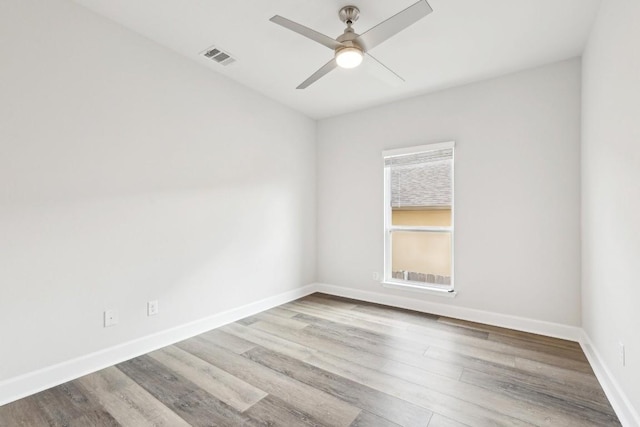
pixel 276 412
pixel 350 341
pixel 231 342
pixel 306 399
pixel 561 381
pixel 130 404
pixel 24 412
pixel 567 376
pixel 511 333
pixel 586 412
pixel 361 396
pixel 217 382
pixel 439 421
pixel 433 337
pixel 367 419
pixel 67 405
pixel 189 401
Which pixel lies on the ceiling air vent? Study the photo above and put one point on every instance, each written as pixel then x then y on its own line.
pixel 218 55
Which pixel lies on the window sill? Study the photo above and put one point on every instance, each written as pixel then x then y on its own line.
pixel 446 293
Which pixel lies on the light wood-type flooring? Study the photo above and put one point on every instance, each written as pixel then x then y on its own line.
pixel 328 361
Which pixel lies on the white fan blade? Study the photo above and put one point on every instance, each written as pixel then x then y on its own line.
pixel 392 26
pixel 318 74
pixel 382 72
pixel 307 32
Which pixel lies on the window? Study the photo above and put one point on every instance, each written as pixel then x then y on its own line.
pixel 418 200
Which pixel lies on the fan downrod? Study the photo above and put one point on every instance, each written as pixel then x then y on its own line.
pixel 349 14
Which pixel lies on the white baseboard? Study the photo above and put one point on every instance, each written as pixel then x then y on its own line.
pixel 627 414
pixel 42 379
pixel 557 330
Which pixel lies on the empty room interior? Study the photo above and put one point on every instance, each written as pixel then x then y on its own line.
pixel 319 213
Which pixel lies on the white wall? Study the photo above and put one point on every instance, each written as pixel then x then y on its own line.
pixel 128 173
pixel 517 242
pixel 611 191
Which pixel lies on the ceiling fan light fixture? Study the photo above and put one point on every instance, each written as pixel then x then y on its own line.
pixel 349 47
pixel 349 57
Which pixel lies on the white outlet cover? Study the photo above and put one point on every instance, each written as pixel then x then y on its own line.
pixel 152 308
pixel 110 318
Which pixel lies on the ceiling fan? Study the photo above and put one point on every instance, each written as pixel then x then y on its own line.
pixel 350 48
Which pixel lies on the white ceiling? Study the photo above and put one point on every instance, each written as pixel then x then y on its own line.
pixel 460 42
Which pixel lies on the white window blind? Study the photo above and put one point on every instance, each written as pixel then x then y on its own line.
pixel 421 179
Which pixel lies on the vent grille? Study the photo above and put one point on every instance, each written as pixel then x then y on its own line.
pixel 218 55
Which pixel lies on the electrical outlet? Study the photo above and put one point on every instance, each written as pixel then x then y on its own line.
pixel 376 276
pixel 110 317
pixel 152 308
pixel 622 355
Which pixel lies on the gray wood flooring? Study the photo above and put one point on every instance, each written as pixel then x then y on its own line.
pixel 328 361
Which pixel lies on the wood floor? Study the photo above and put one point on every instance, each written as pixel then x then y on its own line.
pixel 327 361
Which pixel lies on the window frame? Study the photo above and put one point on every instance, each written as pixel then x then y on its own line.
pixel 387 278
